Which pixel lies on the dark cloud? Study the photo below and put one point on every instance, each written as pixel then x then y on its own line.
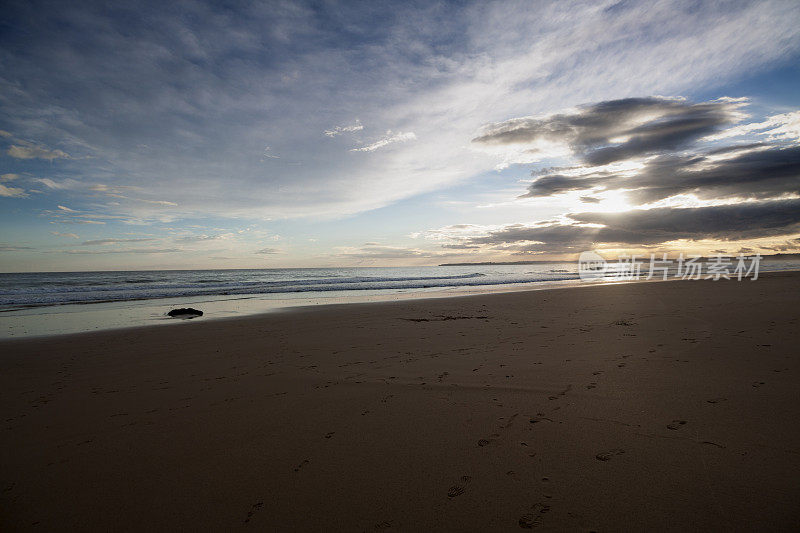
pixel 590 200
pixel 790 245
pixel 654 226
pixel 616 130
pixel 725 222
pixel 756 174
pixel 552 184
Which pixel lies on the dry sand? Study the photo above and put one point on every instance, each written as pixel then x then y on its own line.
pixel 649 406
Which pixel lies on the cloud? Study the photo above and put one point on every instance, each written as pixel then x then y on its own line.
pixel 123 251
pixel 759 173
pixel 120 192
pixel 652 227
pixel 69 235
pixel 12 192
pixel 157 202
pixel 203 238
pixel 338 130
pixel 36 152
pixel 114 241
pixel 388 139
pixel 460 246
pixel 67 209
pixel 616 130
pixel 785 126
pixel 203 92
pixel 5 134
pixel 725 222
pixel 786 246
pixel 268 251
pixel 80 221
pixel 13 248
pixel 374 250
pixel 5 178
pixel 266 153
pixel 57 185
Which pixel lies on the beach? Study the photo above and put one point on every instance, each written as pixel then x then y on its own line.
pixel 664 406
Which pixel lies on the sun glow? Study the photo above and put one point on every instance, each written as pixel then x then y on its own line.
pixel 610 202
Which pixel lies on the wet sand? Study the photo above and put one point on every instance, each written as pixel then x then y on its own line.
pixel 648 406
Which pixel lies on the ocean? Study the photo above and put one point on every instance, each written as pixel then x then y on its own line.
pixel 58 288
pixel 66 302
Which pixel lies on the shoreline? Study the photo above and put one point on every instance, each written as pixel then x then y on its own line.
pixel 646 406
pixel 153 311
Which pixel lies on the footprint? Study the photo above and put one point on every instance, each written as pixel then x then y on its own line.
pixel 301 465
pixel 591 385
pixel 757 384
pixel 605 456
pixel 329 434
pixel 483 442
pixel 716 400
pixel 533 517
pixel 256 506
pixel 458 490
pixel 676 424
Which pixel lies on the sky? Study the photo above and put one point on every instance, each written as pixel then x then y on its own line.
pixel 154 135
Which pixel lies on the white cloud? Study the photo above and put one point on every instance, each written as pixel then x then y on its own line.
pixel 124 251
pixel 12 192
pixel 35 152
pixel 68 235
pixel 104 242
pixel 266 153
pixel 389 138
pixel 57 185
pixel 357 126
pixel 204 238
pixel 67 209
pixel 158 202
pixel 8 177
pixel 13 248
pixel 785 127
pixel 374 250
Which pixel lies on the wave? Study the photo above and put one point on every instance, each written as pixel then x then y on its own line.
pixel 225 284
pixel 87 294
